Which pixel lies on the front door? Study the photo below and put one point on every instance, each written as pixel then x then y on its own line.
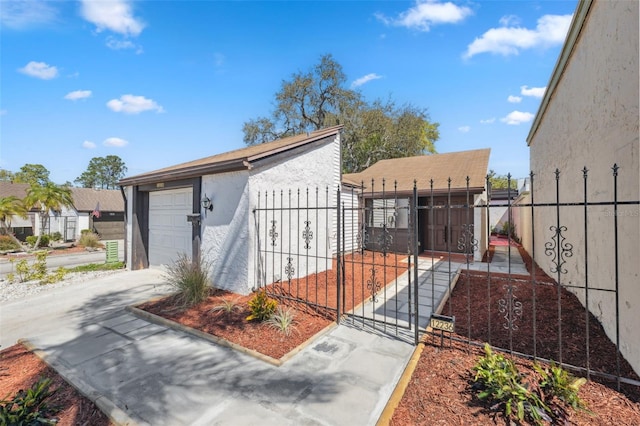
pixel 445 230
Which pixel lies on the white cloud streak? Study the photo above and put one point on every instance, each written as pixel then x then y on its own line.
pixel 550 30
pixel 365 79
pixel 464 129
pixel 488 121
pixel 88 145
pixel 515 118
pixel 536 92
pixel 112 15
pixel 23 14
pixel 514 99
pixel 427 13
pixel 115 142
pixel 39 70
pixel 78 94
pixel 131 104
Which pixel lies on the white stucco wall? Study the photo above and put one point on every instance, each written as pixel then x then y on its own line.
pixel 313 168
pixel 591 121
pixel 225 234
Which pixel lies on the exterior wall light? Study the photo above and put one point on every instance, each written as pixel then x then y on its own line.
pixel 206 203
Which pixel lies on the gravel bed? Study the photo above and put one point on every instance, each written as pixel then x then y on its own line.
pixel 15 291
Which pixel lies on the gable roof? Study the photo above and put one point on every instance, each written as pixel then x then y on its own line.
pixel 86 199
pixel 423 168
pixel 239 159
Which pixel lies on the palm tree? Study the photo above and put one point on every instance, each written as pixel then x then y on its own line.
pixel 48 197
pixel 11 206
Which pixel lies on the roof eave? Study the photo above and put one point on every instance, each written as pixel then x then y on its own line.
pixel 187 172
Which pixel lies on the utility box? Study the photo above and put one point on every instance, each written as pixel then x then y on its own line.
pixel 112 251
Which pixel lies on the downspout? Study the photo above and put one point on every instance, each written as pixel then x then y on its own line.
pixel 126 215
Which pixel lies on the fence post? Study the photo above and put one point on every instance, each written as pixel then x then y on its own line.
pixel 338 257
pixel 415 262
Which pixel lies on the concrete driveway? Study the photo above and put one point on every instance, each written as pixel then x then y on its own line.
pixel 147 374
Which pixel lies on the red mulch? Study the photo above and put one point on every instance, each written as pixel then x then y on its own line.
pixel 20 369
pixel 319 289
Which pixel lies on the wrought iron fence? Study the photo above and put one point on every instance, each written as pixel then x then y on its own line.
pixel 381 257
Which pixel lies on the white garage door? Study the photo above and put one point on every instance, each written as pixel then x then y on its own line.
pixel 169 231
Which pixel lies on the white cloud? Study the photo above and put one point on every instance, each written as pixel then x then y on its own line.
pixel 21 14
pixel 78 94
pixel 509 20
pixel 112 15
pixel 510 40
pixel 116 142
pixel 114 43
pixel 39 70
pixel 365 79
pixel 536 92
pixel 517 117
pixel 464 129
pixel 130 104
pixel 514 99
pixel 488 121
pixel 427 13
pixel 89 145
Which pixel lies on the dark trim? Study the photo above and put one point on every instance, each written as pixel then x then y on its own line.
pixel 140 237
pixel 169 184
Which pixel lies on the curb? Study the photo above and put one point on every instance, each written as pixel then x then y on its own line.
pixel 115 414
pixel 156 319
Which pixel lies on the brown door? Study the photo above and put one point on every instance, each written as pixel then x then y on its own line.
pixel 447 228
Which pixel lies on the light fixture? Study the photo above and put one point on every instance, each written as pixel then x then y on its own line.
pixel 206 203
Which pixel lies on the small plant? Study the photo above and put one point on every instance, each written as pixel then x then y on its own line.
pixel 89 239
pixel 282 320
pixel 227 307
pixel 29 407
pixel 557 382
pixel 7 244
pixel 56 236
pixel 44 241
pixel 189 279
pixel 500 383
pixel 261 306
pixel 57 276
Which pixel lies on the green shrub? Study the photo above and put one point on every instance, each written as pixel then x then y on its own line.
pixel 89 239
pixel 261 306
pixel 29 407
pixel 86 231
pixel 44 241
pixel 556 382
pixel 189 279
pixel 282 320
pixel 7 243
pixel 500 383
pixel 56 236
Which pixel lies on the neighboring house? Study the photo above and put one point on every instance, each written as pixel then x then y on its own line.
pixel 168 210
pixel 100 210
pixel 589 118
pixel 446 216
pixel 22 227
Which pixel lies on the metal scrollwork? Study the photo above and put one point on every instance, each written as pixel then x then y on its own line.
pixel 307 234
pixel 272 232
pixel 373 285
pixel 363 237
pixel 559 249
pixel 510 308
pixel 289 269
pixel 467 243
pixel 385 239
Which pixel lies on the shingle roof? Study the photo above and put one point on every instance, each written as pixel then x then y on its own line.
pixel 423 168
pixel 239 159
pixel 86 199
pixel 18 190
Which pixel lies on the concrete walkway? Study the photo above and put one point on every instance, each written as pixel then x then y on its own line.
pixel 506 260
pixel 147 374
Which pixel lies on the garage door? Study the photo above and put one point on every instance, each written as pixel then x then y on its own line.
pixel 169 231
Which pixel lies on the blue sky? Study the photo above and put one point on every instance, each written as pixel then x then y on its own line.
pixel 162 82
